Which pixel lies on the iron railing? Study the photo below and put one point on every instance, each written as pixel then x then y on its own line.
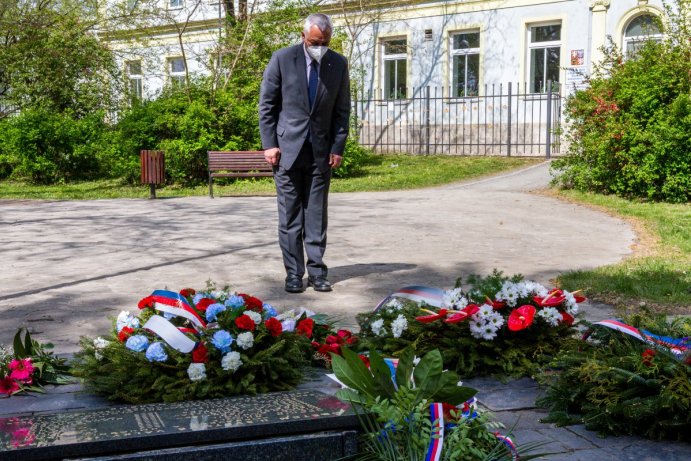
pixel 502 120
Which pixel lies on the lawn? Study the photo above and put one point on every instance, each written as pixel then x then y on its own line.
pixel 379 173
pixel 658 275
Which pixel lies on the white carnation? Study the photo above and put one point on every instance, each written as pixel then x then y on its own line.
pixel 231 361
pixel 378 327
pixel 288 325
pixel 398 326
pixel 99 345
pixel 255 316
pixel 394 305
pixel 245 340
pixel 126 319
pixel 196 372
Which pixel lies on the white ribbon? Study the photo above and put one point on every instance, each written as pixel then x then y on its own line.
pixel 170 334
pixel 180 312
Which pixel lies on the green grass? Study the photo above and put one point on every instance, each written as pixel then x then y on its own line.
pixel 380 173
pixel 659 273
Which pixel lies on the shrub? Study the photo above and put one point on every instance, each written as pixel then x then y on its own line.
pixel 630 130
pixel 46 147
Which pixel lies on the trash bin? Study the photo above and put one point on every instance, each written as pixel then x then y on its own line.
pixel 153 169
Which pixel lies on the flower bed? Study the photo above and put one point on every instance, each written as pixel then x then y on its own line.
pixel 502 326
pixel 619 384
pixel 194 345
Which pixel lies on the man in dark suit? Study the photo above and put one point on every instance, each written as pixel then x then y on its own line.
pixel 304 108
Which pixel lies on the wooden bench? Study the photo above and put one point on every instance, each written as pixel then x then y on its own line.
pixel 237 164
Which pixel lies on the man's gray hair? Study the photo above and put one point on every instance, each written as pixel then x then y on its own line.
pixel 320 20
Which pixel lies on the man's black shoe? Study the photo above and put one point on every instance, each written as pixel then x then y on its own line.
pixel 319 283
pixel 293 284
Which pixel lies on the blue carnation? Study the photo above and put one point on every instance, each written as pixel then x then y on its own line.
pixel 137 343
pixel 235 301
pixel 268 311
pixel 156 353
pixel 222 340
pixel 213 310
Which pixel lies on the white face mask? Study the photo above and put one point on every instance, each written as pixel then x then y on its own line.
pixel 317 52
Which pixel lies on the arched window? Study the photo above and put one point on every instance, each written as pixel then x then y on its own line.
pixel 641 29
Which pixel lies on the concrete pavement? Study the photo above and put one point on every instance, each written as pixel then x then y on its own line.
pixel 67 266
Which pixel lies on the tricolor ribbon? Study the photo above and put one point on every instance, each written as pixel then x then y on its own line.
pixel 176 304
pixel 437 417
pixel 170 334
pixel 675 345
pixel 416 293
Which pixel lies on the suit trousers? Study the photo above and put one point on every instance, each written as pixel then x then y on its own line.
pixel 302 194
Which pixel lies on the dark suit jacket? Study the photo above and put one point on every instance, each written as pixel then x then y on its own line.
pixel 284 113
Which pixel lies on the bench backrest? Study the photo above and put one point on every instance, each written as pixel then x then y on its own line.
pixel 238 161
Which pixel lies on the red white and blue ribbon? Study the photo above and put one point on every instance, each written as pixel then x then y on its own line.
pixel 176 304
pixel 509 444
pixel 675 345
pixel 437 417
pixel 416 293
pixel 170 334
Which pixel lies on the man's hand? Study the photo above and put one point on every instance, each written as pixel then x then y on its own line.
pixel 272 155
pixel 335 160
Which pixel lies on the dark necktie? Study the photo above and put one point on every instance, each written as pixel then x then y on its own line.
pixel 313 82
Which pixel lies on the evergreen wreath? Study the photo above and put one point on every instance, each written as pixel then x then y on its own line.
pixel 242 347
pixel 618 385
pixel 502 326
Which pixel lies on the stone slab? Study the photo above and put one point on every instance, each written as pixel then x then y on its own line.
pixel 128 428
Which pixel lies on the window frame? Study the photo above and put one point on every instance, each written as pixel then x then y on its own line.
pixel 543 45
pixel 635 41
pixel 179 77
pixel 465 52
pixel 397 58
pixel 135 77
pixel 177 6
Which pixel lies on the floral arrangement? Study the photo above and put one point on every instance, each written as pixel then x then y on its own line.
pixel 206 344
pixel 501 326
pixel 419 411
pixel 620 383
pixel 29 366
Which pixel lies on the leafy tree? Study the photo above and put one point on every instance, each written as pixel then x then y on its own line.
pixel 630 130
pixel 51 58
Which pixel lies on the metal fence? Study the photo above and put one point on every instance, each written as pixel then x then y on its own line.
pixel 503 120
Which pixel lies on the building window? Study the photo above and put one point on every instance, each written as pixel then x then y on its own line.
pixel 395 64
pixel 465 64
pixel 174 4
pixel 640 30
pixel 176 71
pixel 135 77
pixel 544 55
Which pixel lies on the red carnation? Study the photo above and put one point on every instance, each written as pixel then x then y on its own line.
pixel 648 355
pixel 252 303
pixel 204 303
pixel 187 292
pixel 305 327
pixel 200 354
pixel 146 302
pixel 521 318
pixel 125 333
pixel 244 322
pixel 274 326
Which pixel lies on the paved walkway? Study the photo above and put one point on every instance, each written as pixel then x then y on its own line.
pixel 67 266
